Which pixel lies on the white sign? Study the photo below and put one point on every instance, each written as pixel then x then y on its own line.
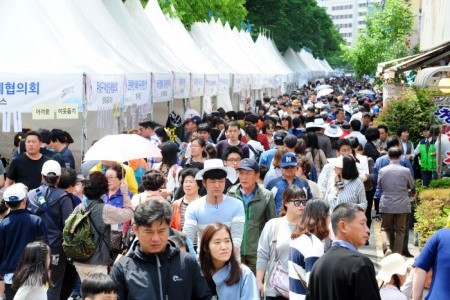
pixel 43 112
pixel 162 85
pixel 21 92
pixel 224 84
pixel 137 89
pixel 104 91
pixel 197 85
pixel 182 86
pixel 211 85
pixel 256 82
pixel 67 111
pixel 237 83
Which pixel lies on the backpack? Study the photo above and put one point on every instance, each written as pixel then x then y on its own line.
pixel 78 238
pixel 257 153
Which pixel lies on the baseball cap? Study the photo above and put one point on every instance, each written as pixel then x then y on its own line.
pixel 51 166
pixel 248 164
pixel 278 137
pixel 288 160
pixel 14 193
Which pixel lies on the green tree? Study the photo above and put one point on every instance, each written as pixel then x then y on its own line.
pixel 384 38
pixel 296 24
pixel 190 11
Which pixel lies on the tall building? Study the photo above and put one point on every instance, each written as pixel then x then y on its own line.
pixel 348 15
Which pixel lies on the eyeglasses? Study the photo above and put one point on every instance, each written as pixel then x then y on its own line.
pixel 298 202
pixel 111 177
pixel 234 160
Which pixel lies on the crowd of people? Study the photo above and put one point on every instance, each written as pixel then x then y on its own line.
pixel 272 202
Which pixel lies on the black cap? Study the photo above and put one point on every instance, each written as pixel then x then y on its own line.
pixel 278 137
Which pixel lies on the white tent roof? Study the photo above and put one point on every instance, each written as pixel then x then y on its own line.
pixel 295 62
pixel 60 36
pixel 310 61
pixel 270 54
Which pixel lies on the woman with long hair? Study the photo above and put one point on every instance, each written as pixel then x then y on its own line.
pixel 348 187
pixel 169 164
pixel 304 168
pixel 268 129
pixel 33 273
pixel 307 246
pixel 273 246
pixel 314 153
pixel 226 277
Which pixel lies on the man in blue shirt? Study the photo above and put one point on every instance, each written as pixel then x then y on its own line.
pixel 59 144
pixel 278 185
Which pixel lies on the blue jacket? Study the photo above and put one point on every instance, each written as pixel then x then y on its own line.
pixel 281 184
pixel 245 289
pixel 17 229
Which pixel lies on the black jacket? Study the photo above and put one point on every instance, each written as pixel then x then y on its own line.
pixel 170 275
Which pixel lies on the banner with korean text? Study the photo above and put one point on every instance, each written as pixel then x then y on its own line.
pixel 103 91
pixel 197 85
pixel 20 92
pixel 137 89
pixel 211 85
pixel 162 85
pixel 182 86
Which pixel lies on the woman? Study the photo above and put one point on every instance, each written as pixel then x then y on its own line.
pixel 191 189
pixel 115 175
pixel 226 277
pixel 255 147
pixel 348 187
pixel 153 183
pixel 307 246
pixel 274 241
pixel 370 149
pixel 102 216
pixel 198 154
pixel 304 167
pixel 286 122
pixel 393 275
pixel 169 164
pixel 33 273
pixel 268 130
pixel 314 153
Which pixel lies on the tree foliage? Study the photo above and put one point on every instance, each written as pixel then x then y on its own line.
pixel 190 11
pixel 296 24
pixel 384 38
pixel 414 109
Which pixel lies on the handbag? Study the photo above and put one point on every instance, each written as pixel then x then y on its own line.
pixel 279 278
pixel 116 241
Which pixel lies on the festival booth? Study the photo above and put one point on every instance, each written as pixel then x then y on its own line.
pixel 304 74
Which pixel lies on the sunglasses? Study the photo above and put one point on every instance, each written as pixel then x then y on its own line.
pixel 298 202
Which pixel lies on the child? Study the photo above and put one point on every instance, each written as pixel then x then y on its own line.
pixel 32 275
pixel 98 287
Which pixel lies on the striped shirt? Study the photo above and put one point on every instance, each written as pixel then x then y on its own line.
pixel 304 251
pixel 352 192
pixel 200 214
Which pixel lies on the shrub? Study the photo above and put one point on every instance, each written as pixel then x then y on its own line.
pixel 431 212
pixel 414 109
pixel 441 183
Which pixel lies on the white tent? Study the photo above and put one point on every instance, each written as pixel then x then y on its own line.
pixel 294 61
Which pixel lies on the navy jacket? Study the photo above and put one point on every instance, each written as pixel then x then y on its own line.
pixel 17 229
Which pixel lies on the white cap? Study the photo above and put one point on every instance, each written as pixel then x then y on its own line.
pixel 14 193
pixel 51 166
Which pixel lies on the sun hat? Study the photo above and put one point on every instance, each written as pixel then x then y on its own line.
pixel 318 123
pixel 51 166
pixel 333 131
pixel 14 193
pixel 215 164
pixel 390 265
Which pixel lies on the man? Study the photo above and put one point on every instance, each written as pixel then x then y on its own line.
pixel 278 185
pixel 232 130
pixel 27 168
pixel 59 144
pixel 382 141
pixel 342 273
pixel 395 181
pixel 340 117
pixel 267 156
pixel 129 173
pixel 259 208
pixel 324 142
pixel 154 268
pixel 232 158
pixel 426 149
pixel 434 255
pixel 215 206
pixel 54 206
pixel 365 122
pixel 354 131
pixel 17 229
pixel 147 130
pixel 203 132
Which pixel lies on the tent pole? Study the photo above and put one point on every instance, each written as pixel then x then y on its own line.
pixel 84 137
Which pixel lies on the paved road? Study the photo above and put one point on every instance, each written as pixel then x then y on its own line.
pixel 374 250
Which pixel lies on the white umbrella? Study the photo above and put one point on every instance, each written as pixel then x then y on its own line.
pixel 122 147
pixel 324 92
pixel 323 86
